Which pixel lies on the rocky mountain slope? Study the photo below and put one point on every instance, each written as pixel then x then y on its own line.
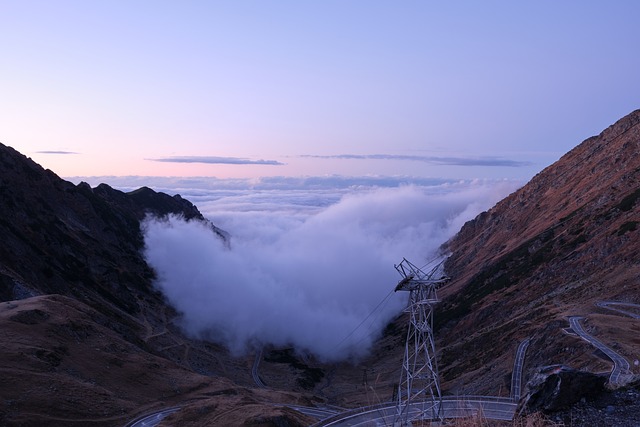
pixel 554 248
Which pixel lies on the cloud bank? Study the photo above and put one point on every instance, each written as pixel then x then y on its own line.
pixel 306 279
pixel 434 160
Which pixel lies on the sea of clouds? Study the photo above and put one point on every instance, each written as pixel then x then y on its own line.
pixel 310 262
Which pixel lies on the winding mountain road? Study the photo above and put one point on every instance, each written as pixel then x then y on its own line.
pixel 608 305
pixel 620 364
pixel 495 408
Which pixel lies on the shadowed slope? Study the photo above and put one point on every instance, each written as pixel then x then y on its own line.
pixel 86 339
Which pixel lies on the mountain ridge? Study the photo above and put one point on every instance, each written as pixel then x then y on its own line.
pixel 540 187
pixel 553 248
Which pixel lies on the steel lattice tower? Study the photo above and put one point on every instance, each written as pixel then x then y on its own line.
pixel 419 395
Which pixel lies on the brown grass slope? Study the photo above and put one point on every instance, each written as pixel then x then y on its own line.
pixel 552 249
pixel 61 366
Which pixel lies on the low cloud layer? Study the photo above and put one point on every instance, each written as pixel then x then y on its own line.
pixel 307 278
pixel 216 160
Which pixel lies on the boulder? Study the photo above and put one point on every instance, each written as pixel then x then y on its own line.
pixel 557 387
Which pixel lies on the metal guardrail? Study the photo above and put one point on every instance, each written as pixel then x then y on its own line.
pixel 516 376
pixel 491 407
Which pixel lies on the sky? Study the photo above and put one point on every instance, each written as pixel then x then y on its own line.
pixel 249 89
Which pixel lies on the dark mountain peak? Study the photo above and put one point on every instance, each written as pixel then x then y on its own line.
pixel 160 202
pixel 84 186
pixel 80 241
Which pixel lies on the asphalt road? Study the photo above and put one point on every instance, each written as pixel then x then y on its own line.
pixel 620 364
pixel 254 370
pixel 153 419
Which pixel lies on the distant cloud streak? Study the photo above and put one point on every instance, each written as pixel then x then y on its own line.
pixel 216 160
pixel 446 161
pixel 56 152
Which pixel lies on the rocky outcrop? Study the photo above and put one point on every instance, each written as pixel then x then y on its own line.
pixel 552 388
pixel 620 408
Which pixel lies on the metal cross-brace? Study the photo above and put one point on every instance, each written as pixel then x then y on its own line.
pixel 419 396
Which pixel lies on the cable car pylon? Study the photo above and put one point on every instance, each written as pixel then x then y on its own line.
pixel 419 396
